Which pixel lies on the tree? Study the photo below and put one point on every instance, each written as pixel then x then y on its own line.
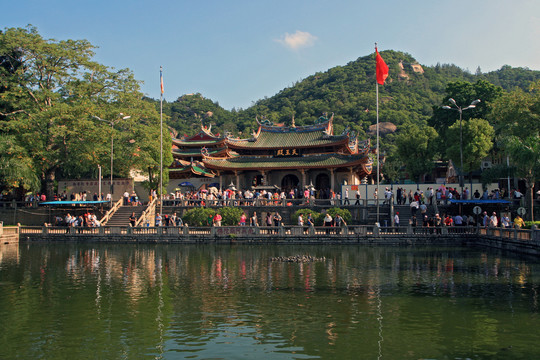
pixel 525 155
pixel 416 147
pixel 478 137
pixel 54 88
pixel 517 116
pixel 464 93
pixel 16 167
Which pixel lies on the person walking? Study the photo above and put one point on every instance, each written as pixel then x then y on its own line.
pixel 346 197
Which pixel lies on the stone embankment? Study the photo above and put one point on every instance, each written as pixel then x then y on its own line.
pixel 523 241
pixel 9 235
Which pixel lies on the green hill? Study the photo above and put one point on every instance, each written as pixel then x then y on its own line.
pixel 409 95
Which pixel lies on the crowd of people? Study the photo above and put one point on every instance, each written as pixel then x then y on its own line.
pixel 449 220
pixel 87 219
pixel 234 197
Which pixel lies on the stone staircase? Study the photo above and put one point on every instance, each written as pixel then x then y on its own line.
pixel 383 215
pixel 121 216
pixel 405 214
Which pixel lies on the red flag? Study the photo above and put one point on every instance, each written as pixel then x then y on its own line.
pixel 381 68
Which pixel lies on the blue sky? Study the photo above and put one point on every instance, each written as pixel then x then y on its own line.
pixel 238 51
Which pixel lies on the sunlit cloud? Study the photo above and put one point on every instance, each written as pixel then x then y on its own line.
pixel 299 39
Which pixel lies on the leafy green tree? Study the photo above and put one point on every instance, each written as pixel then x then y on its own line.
pixel 478 137
pixel 525 155
pixel 464 93
pixel 16 167
pixel 416 147
pixel 517 117
pixel 52 93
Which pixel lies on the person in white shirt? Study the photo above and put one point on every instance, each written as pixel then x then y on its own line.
pixel 493 221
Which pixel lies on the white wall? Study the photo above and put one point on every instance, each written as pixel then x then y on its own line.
pixel 367 191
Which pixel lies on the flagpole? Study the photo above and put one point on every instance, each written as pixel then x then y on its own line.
pixel 378 177
pixel 161 143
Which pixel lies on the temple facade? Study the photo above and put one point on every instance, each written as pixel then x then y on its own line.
pixel 278 156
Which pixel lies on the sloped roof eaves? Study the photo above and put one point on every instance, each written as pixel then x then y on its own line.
pixel 201 143
pixel 319 161
pixel 192 152
pixel 193 169
pixel 288 140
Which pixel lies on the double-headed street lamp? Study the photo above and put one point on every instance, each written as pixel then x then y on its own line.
pixel 112 122
pixel 460 110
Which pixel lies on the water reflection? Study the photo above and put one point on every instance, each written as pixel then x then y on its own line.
pixel 9 254
pixel 233 302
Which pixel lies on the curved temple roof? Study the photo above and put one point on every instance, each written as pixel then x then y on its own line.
pixel 269 163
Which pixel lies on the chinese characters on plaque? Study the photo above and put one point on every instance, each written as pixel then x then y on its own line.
pixel 287 153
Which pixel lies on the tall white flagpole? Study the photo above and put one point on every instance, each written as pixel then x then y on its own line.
pixel 378 163
pixel 161 143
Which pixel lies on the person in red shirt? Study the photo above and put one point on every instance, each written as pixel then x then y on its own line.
pixel 217 219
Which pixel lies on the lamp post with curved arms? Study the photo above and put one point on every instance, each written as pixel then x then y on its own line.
pixel 112 122
pixel 460 110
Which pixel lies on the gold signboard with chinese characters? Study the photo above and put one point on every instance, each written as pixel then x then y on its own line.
pixel 287 152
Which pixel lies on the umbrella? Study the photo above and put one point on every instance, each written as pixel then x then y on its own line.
pixel 186 183
pixel 204 190
pixel 213 189
pixel 414 204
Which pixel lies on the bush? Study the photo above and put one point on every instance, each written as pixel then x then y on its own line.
pixel 198 216
pixel 344 213
pixel 317 218
pixel 528 224
pixel 231 215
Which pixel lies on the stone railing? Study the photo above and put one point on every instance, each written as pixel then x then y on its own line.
pixel 147 214
pixel 111 212
pixel 290 231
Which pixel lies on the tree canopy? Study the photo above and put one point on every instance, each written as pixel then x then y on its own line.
pixel 516 116
pixel 52 89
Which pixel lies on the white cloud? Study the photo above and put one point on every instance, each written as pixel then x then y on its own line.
pixel 297 40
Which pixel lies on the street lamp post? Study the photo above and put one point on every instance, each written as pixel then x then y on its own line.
pixel 460 110
pixel 112 122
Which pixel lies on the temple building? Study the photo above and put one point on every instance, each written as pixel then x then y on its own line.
pixel 284 157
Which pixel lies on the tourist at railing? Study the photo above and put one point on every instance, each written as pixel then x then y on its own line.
pixel 243 219
pixel 269 219
pixel 339 222
pixel 217 219
pixel 253 221
pixel 518 222
pixel 328 222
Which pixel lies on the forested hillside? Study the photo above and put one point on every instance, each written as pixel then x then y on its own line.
pixel 408 96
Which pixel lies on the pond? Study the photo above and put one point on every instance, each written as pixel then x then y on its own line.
pixel 83 301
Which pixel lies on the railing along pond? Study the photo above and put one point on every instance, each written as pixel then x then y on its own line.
pixel 283 231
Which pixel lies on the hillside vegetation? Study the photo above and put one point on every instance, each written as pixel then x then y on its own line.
pixel 348 91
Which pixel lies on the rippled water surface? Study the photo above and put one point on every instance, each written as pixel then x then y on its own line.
pixel 233 302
